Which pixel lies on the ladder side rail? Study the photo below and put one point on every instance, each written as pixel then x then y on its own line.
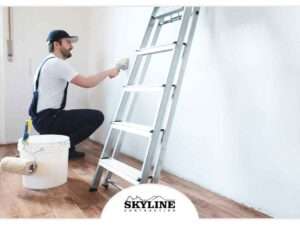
pixel 131 101
pixel 131 104
pixel 125 96
pixel 134 98
pixel 106 151
pixel 166 94
pixel 162 153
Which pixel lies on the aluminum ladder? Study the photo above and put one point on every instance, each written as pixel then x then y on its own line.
pixel 158 134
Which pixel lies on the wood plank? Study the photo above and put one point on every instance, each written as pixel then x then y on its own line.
pixel 65 207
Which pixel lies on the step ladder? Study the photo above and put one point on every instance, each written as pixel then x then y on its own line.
pixel 158 134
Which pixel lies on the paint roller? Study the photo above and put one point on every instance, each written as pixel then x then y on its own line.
pixel 18 165
pixel 28 125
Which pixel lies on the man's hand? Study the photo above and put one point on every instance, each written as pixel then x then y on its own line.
pixel 114 72
pixel 122 64
pixel 94 80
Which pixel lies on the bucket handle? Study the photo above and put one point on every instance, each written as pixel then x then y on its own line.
pixel 33 153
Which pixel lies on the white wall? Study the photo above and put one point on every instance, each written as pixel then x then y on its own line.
pixel 237 125
pixel 30 28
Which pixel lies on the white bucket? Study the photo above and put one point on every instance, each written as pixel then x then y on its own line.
pixel 51 153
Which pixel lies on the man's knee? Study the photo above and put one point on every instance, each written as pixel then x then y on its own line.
pixel 98 118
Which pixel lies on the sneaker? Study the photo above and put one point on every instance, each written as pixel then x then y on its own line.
pixel 76 155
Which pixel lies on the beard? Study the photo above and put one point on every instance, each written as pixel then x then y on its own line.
pixel 66 53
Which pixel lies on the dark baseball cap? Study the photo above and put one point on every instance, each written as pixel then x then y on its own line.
pixel 56 35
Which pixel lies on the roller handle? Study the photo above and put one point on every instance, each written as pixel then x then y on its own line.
pixel 28 125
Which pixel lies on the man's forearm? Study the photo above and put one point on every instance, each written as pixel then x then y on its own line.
pixel 94 80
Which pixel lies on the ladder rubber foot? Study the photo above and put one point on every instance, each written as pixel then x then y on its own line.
pixel 93 189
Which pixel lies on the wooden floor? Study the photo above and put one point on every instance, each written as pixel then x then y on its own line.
pixel 73 200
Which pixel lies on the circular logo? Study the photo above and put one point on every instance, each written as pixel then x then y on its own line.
pixel 150 202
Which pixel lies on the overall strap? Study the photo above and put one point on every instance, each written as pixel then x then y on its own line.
pixel 39 73
pixel 64 100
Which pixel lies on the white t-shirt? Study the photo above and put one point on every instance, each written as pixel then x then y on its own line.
pixel 54 76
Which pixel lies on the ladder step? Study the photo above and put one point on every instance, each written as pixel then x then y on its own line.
pixel 156 49
pixel 133 128
pixel 171 20
pixel 143 88
pixel 169 13
pixel 121 169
